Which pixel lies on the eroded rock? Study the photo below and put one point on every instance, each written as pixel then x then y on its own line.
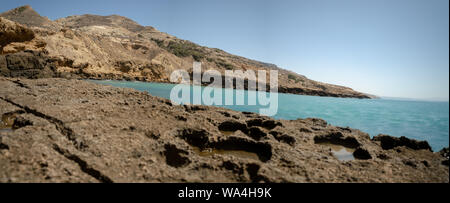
pixel 389 142
pixel 85 132
pixel 13 32
pixel 338 138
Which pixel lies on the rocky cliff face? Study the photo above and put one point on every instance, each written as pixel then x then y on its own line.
pixel 59 130
pixel 115 47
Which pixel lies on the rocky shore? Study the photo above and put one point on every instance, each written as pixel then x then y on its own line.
pixel 67 130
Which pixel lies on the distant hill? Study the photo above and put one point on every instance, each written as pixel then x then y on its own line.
pixel 25 15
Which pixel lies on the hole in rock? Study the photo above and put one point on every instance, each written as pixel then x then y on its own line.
pixel 236 153
pixel 7 122
pixel 176 157
pixel 233 126
pixel 262 150
pixel 340 152
pixel 235 146
pixel 227 133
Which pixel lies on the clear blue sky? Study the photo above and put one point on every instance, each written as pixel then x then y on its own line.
pixel 396 48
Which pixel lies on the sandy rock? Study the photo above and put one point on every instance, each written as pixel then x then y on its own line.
pixel 13 32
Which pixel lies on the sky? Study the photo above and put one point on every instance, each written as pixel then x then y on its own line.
pixel 392 48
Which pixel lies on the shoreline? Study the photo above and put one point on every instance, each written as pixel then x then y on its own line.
pixel 281 89
pixel 205 85
pixel 77 123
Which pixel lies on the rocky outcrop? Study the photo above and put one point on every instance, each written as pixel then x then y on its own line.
pixel 66 130
pixel 16 38
pixel 323 93
pixel 12 32
pixel 388 142
pixel 115 47
pixel 26 65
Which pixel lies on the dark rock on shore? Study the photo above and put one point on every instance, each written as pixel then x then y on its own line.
pixel 27 64
pixel 388 142
pixel 68 130
pixel 322 93
pixel 444 153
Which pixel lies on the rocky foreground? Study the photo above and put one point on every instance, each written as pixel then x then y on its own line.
pixel 59 130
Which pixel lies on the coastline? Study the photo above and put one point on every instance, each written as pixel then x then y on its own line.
pixel 77 131
pixel 281 89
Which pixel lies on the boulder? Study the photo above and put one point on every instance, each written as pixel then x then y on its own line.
pixel 389 142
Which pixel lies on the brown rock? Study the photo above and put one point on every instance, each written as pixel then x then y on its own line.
pixel 26 65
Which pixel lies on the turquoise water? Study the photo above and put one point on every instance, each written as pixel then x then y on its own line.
pixel 420 120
